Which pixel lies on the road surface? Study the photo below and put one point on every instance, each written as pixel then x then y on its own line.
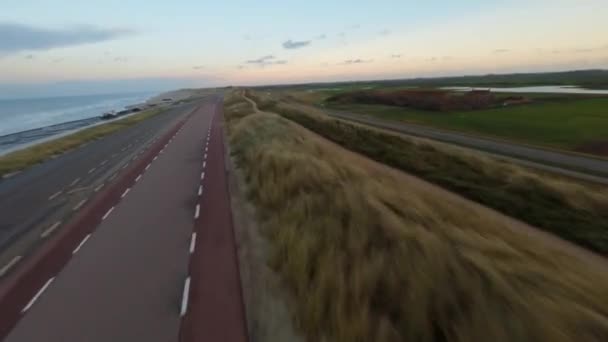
pixel 159 265
pixel 572 165
pixel 36 203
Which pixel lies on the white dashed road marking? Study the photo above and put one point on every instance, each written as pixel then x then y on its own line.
pixel 192 243
pixel 38 294
pixel 10 264
pixel 81 243
pixel 53 196
pixel 197 211
pixel 185 296
pixel 80 204
pixel 107 214
pixel 50 229
pixel 125 193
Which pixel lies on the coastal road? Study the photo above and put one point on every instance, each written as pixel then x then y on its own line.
pixel 161 263
pixel 568 164
pixel 36 203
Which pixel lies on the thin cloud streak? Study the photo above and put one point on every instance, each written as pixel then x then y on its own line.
pixel 18 37
pixel 290 44
pixel 266 60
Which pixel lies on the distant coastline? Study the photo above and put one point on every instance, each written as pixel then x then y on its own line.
pixel 29 121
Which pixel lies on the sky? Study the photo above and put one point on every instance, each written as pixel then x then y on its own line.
pixel 63 47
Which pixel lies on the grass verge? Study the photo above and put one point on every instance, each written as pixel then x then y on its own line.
pixel 25 158
pixel 366 256
pixel 575 212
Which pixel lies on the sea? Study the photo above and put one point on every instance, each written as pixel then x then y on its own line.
pixel 23 121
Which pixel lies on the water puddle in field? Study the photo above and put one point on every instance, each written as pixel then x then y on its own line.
pixel 539 89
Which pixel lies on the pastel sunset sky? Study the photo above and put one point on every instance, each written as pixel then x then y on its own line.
pixel 169 44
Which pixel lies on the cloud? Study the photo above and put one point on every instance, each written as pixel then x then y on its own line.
pixel 260 60
pixel 384 32
pixel 266 60
pixel 355 27
pixel 19 37
pixel 321 37
pixel 290 44
pixel 29 57
pixel 57 60
pixel 498 51
pixel 120 59
pixel 396 56
pixel 356 61
pixel 432 59
pixel 198 67
pixel 342 34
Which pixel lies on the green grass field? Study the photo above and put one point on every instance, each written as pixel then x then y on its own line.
pixel 558 123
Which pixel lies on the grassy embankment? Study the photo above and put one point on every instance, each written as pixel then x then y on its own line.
pixel 366 256
pixel 25 158
pixel 563 121
pixel 568 125
pixel 574 211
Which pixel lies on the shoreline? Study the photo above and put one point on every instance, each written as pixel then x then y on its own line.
pixel 17 141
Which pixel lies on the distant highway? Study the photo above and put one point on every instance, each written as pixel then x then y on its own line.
pixel 568 164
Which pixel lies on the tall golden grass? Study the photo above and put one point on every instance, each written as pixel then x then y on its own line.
pixel 366 257
pixel 570 209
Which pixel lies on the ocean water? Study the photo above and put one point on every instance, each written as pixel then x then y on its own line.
pixel 20 115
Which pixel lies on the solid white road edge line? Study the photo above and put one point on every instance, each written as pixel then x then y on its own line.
pixel 50 229
pixel 192 243
pixel 185 296
pixel 10 264
pixel 197 211
pixel 107 214
pixel 81 243
pixel 38 294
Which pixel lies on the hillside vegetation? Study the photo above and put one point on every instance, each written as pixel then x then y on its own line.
pixel 367 256
pixel 574 211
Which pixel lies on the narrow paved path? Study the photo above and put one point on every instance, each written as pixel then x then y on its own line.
pixel 568 164
pixel 126 279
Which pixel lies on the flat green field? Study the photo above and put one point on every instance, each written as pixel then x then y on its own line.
pixel 566 124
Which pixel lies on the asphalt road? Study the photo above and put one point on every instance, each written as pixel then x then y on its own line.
pixel 572 165
pixel 36 203
pixel 126 279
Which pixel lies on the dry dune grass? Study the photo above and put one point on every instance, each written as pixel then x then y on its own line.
pixel 367 258
pixel 573 210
